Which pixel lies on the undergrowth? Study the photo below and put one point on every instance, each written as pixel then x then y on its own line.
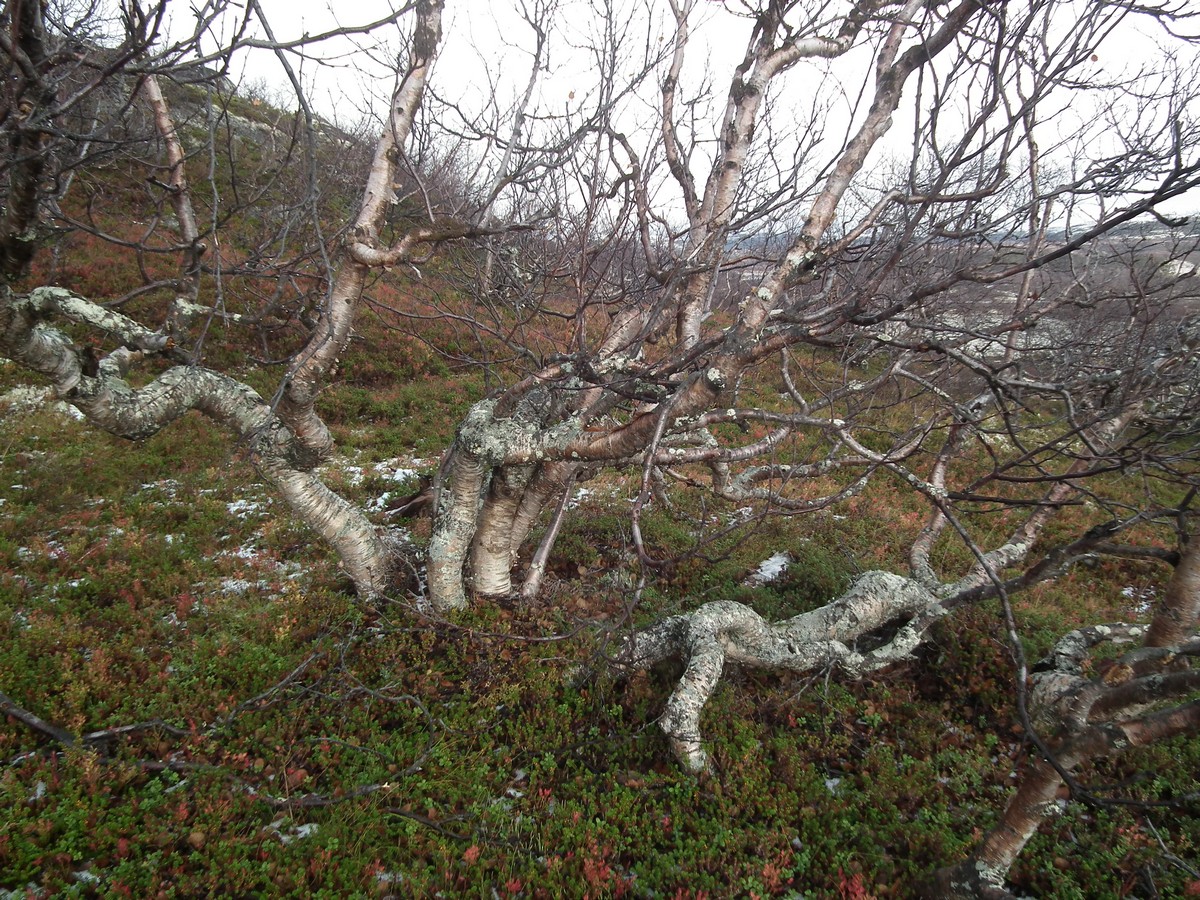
pixel 311 747
pixel 287 741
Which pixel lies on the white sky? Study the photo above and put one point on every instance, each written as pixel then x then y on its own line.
pixel 486 51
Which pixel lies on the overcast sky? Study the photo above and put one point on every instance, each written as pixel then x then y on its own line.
pixel 486 50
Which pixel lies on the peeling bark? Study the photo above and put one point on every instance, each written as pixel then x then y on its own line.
pixel 333 330
pixel 1086 718
pixel 823 638
pixel 1177 615
pixel 481 510
pixel 492 552
pixel 456 511
pixel 111 404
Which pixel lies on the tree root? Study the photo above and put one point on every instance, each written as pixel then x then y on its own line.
pixel 828 637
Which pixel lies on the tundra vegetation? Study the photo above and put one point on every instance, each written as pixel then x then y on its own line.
pixel 384 499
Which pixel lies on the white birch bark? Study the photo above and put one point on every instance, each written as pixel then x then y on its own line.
pixel 1084 717
pixel 492 552
pixel 487 448
pixel 187 287
pixel 456 512
pixel 110 403
pixel 333 330
pixel 823 638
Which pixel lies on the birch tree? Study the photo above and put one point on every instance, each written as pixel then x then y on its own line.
pixel 951 209
pixel 285 438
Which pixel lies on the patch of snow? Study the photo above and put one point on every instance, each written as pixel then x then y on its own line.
pixel 168 486
pixel 770 569
pixel 243 552
pixel 287 567
pixel 379 503
pixel 580 495
pixel 403 474
pixel 300 832
pixel 1143 598
pixel 73 583
pixel 243 508
pixel 399 469
pixel 241 585
pixel 295 833
pixel 54 550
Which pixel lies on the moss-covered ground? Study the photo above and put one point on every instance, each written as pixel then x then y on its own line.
pixel 309 746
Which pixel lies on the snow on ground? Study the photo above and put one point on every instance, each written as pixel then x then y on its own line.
pixel 1143 599
pixel 770 569
pixel 294 833
pixel 238 586
pixel 168 486
pixel 379 504
pixel 400 469
pixel 579 496
pixel 244 508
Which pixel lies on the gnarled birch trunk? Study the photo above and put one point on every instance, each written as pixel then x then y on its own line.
pixel 1083 718
pixel 826 637
pixel 108 402
pixel 314 363
pixel 285 443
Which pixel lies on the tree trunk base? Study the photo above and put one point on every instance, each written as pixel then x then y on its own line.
pixel 964 881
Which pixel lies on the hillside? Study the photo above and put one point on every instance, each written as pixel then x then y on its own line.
pixel 204 697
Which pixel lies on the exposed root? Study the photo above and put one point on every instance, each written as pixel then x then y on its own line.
pixel 823 638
